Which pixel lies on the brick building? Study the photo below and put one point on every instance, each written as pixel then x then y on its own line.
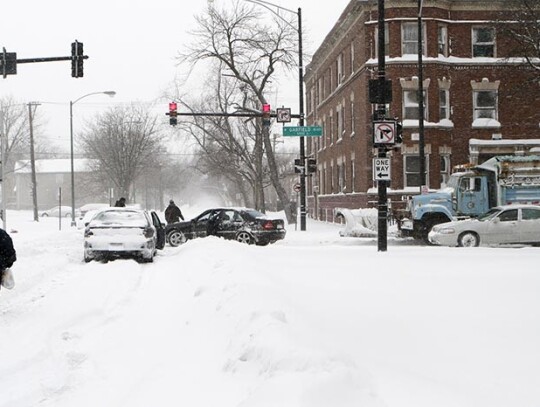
pixel 478 102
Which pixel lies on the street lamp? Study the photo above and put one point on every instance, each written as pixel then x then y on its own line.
pixel 111 93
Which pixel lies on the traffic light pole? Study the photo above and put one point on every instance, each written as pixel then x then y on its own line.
pixel 301 123
pixel 382 211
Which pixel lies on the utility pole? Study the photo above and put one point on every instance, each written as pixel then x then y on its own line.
pixel 3 138
pixel 421 141
pixel 33 158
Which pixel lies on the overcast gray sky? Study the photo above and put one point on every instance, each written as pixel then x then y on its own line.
pixel 131 46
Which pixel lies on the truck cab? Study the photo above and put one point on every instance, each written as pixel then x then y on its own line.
pixel 472 195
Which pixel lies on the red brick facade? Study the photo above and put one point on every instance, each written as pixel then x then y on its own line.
pixel 456 85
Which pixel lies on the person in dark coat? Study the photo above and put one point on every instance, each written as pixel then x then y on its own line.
pixel 173 213
pixel 8 256
pixel 121 203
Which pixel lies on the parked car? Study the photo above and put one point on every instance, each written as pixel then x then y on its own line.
pixel 123 232
pixel 87 211
pixel 501 225
pixel 242 224
pixel 56 211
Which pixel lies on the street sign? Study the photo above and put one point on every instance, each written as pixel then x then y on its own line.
pixel 297 187
pixel 302 131
pixel 381 169
pixel 384 132
pixel 283 115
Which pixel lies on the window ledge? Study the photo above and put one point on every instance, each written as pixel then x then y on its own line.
pixel 486 123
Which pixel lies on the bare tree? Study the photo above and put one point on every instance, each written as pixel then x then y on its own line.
pixel 522 28
pixel 123 143
pixel 250 51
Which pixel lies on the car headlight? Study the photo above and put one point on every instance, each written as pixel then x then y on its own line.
pixel 446 231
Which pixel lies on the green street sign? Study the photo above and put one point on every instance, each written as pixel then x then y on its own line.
pixel 302 131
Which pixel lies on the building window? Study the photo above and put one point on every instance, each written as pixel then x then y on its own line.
pixel 352 58
pixel 411 105
pixel 340 74
pixel 409 39
pixel 341 177
pixel 442 40
pixel 445 169
pixel 444 104
pixel 331 126
pixel 386 41
pixel 352 117
pixel 483 42
pixel 485 104
pixel 411 165
pixel 353 175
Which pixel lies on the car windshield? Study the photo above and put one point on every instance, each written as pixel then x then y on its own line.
pixel 490 214
pixel 122 218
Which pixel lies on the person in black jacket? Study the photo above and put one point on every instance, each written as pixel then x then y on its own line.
pixel 8 256
pixel 121 203
pixel 173 213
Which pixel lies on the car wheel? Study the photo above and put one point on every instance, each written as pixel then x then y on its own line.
pixel 244 237
pixel 176 238
pixel 468 239
pixel 87 259
pixel 44 215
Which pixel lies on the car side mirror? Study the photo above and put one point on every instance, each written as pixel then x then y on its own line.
pixel 496 219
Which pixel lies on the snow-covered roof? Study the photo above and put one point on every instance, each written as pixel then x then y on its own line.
pixel 52 166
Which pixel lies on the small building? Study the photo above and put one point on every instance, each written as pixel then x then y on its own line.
pixel 477 99
pixel 53 179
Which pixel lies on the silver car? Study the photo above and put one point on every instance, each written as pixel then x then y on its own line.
pixel 510 224
pixel 123 232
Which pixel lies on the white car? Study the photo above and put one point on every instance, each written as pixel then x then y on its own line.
pixel 123 232
pixel 58 211
pixel 509 224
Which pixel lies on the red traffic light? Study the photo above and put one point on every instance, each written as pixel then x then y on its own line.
pixel 172 107
pixel 266 108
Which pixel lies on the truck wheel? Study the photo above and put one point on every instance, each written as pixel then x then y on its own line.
pixel 468 239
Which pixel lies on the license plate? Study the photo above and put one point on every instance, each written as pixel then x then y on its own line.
pixel 117 245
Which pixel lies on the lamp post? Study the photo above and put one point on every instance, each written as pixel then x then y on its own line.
pixel 111 93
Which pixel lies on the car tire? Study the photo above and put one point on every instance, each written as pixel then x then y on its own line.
pixel 44 215
pixel 87 259
pixel 244 237
pixel 468 239
pixel 176 238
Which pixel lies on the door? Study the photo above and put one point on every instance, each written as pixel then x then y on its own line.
pixel 227 227
pixel 503 228
pixel 472 196
pixel 160 230
pixel 530 225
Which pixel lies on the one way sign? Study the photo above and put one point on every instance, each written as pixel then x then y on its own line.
pixel 381 169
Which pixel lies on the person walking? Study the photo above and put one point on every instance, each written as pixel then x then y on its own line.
pixel 173 213
pixel 121 203
pixel 8 256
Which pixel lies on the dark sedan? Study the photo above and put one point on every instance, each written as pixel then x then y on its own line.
pixel 241 224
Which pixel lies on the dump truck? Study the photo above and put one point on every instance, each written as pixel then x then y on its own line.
pixel 471 192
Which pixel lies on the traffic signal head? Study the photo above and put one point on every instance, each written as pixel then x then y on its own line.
pixel 173 113
pixel 266 110
pixel 311 165
pixel 77 59
pixel 399 132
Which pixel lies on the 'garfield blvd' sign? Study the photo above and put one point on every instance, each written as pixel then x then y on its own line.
pixel 302 131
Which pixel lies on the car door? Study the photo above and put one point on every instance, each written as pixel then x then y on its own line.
pixel 530 225
pixel 226 227
pixel 503 228
pixel 160 230
pixel 200 223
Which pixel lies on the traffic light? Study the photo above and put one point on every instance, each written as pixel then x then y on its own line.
pixel 266 110
pixel 298 166
pixel 77 59
pixel 311 165
pixel 173 114
pixel 399 132
pixel 9 63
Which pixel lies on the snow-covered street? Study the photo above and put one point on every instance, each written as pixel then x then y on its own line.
pixel 313 320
